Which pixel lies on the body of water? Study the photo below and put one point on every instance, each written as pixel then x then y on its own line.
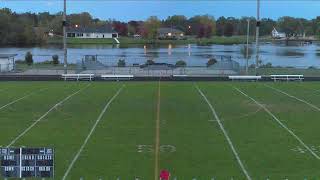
pixel 194 55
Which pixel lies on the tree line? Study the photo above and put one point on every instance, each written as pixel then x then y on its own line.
pixel 32 28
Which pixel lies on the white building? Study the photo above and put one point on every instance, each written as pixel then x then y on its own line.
pixel 99 33
pixel 7 62
pixel 277 35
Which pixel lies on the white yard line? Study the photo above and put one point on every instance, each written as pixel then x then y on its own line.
pixel 21 98
pixel 45 114
pixel 280 123
pixel 90 133
pixel 214 113
pixel 294 97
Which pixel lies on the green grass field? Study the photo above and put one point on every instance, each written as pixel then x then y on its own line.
pixel 197 130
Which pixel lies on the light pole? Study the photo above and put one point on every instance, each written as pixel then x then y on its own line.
pixel 64 24
pixel 257 35
pixel 247 53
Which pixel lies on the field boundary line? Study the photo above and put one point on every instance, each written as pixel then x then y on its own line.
pixel 280 123
pixel 157 137
pixel 45 114
pixel 214 113
pixel 293 97
pixel 91 132
pixel 23 97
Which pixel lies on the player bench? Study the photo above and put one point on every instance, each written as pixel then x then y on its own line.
pixel 287 77
pixel 179 75
pixel 78 77
pixel 114 77
pixel 245 78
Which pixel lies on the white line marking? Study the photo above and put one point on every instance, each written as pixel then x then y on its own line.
pixel 45 114
pixel 21 98
pixel 280 123
pixel 90 133
pixel 294 97
pixel 214 113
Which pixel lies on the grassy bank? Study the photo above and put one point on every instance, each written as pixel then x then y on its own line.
pixel 127 40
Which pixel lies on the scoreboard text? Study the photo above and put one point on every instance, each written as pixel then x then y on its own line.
pixel 27 162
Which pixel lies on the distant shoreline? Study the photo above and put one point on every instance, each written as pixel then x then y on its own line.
pixel 128 41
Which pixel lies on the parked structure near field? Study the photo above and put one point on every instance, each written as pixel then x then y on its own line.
pixel 97 33
pixel 170 33
pixel 7 62
pixel 277 35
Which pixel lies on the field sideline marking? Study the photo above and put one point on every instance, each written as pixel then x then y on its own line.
pixel 44 115
pixel 280 123
pixel 157 137
pixel 21 98
pixel 225 134
pixel 91 132
pixel 294 97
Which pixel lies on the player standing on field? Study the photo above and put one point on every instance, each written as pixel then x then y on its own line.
pixel 164 175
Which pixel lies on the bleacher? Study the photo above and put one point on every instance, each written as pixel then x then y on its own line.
pixel 78 77
pixel 245 78
pixel 287 77
pixel 114 77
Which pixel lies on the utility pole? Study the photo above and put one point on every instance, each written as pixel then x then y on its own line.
pixel 257 35
pixel 64 24
pixel 247 53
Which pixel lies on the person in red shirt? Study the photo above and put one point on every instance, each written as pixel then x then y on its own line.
pixel 164 175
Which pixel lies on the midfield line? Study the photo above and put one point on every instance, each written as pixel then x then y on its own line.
pixel 21 98
pixel 294 97
pixel 280 123
pixel 45 114
pixel 157 137
pixel 91 132
pixel 235 153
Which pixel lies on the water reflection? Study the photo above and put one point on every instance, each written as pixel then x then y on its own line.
pixel 290 53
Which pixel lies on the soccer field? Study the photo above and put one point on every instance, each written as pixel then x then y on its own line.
pixel 196 130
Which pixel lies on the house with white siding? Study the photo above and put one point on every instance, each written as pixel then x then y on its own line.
pixel 95 33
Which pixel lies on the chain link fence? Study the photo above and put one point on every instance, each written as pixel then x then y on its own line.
pixel 103 64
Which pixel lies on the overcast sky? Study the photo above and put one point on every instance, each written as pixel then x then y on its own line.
pixel 125 10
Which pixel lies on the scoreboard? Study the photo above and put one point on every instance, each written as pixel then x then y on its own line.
pixel 27 162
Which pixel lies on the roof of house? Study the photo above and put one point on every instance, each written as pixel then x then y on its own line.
pixel 7 55
pixel 104 29
pixel 169 30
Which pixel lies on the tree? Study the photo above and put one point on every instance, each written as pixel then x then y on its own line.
pixel 134 27
pixel 181 63
pixel 83 19
pixel 121 28
pixel 55 59
pixel 29 58
pixel 121 63
pixel 178 21
pixel 228 29
pixel 211 62
pixel 221 22
pixel 203 26
pixel 152 25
